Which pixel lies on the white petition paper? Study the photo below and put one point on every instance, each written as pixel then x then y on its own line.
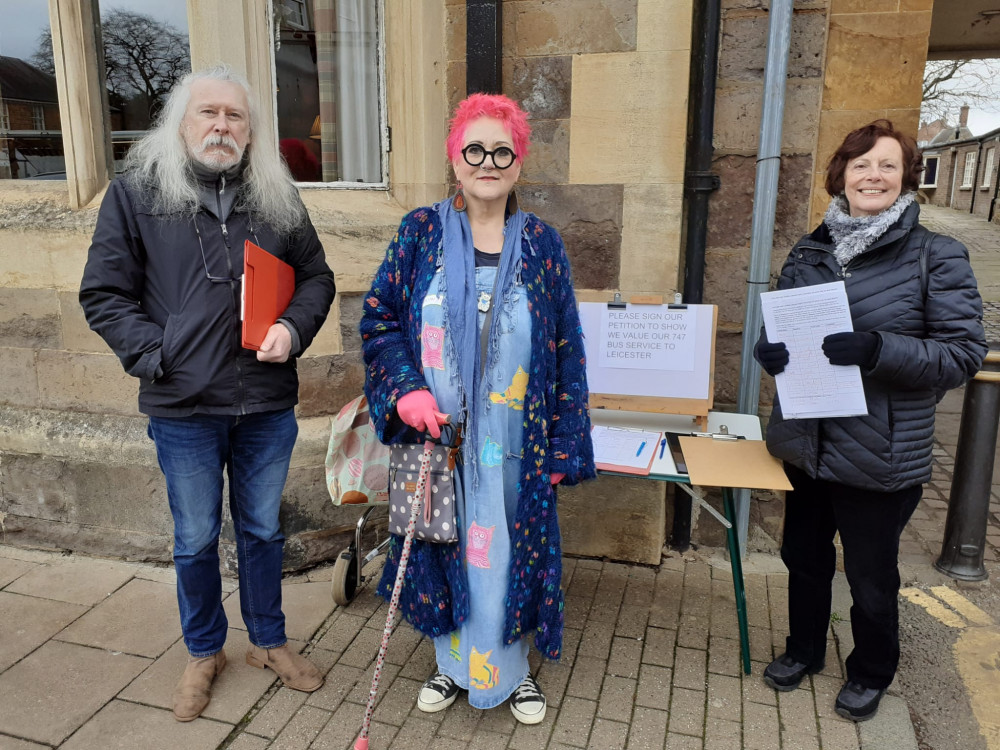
pixel 810 386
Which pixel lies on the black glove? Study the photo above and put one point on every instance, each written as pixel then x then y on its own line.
pixel 852 348
pixel 772 357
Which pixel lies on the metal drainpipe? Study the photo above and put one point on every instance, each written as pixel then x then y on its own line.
pixel 698 186
pixel 483 46
pixel 996 183
pixel 765 200
pixel 975 178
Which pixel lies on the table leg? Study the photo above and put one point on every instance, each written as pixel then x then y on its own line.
pixel 736 564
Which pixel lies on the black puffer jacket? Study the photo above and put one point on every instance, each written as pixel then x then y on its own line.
pixel 146 292
pixel 928 347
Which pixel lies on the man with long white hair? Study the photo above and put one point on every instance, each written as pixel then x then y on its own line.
pixel 162 288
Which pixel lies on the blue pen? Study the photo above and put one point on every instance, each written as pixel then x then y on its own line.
pixel 643 445
pixel 663 444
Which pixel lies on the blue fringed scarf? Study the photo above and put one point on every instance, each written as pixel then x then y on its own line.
pixel 461 311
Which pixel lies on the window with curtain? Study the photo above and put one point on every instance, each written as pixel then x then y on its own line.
pixel 929 178
pixel 330 100
pixel 970 169
pixel 988 167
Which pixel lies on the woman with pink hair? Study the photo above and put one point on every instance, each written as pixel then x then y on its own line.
pixel 472 317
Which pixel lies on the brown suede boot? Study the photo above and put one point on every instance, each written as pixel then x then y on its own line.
pixel 194 691
pixel 295 670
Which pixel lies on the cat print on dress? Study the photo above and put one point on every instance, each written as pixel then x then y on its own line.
pixel 492 454
pixel 432 346
pixel 514 395
pixel 477 551
pixel 455 651
pixel 482 674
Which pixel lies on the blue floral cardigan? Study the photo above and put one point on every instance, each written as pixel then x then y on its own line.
pixel 435 597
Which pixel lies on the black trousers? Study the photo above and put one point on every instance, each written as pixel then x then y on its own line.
pixel 870 524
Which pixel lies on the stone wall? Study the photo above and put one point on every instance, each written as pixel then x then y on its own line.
pixel 605 85
pixel 77 471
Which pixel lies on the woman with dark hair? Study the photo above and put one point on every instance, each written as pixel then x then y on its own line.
pixel 917 333
pixel 452 269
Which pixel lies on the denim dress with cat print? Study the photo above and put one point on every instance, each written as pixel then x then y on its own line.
pixel 475 656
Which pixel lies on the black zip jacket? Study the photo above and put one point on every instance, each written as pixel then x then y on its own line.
pixel 146 292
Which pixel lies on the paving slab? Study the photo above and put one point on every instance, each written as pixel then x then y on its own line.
pixel 12 743
pixel 306 606
pixel 53 691
pixel 12 569
pixel 28 622
pixel 78 580
pixel 127 726
pixel 234 692
pixel 140 618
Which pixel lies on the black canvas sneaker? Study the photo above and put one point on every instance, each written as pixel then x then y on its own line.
pixel 437 694
pixel 527 703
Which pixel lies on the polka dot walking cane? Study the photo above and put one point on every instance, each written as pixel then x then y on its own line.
pixel 422 488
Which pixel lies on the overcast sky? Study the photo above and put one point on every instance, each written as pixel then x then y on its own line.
pixel 24 20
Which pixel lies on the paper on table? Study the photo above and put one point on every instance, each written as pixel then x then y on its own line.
pixel 810 386
pixel 622 450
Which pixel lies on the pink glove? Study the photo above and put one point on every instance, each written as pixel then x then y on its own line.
pixel 556 477
pixel 419 410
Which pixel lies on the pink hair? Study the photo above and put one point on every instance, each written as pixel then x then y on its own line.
pixel 497 106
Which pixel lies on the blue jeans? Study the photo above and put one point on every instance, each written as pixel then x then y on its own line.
pixel 255 450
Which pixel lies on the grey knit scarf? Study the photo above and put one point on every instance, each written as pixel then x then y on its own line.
pixel 853 235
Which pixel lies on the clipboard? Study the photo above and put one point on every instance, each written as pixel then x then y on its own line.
pixel 732 463
pixel 268 286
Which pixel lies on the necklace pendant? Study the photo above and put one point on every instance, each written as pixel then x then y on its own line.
pixel 484 301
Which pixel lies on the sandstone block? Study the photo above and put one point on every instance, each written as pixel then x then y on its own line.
pixel 548 162
pixel 629 118
pixel 19 377
pixel 541 85
pixel 76 334
pixel 663 25
pixel 106 387
pixel 613 517
pixel 29 318
pixel 862 47
pixel 327 383
pixel 738 113
pixel 743 52
pixel 553 27
pixel 651 238
pixel 589 218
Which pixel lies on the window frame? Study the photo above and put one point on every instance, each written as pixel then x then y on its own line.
pixel 936 158
pixel 988 162
pixel 969 173
pixel 385 144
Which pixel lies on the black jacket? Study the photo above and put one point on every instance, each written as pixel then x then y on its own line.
pixel 929 344
pixel 146 291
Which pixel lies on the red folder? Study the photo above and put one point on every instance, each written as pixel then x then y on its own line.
pixel 268 285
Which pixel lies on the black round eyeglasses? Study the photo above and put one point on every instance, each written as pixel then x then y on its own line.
pixel 474 155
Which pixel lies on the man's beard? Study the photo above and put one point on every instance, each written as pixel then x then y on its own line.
pixel 218 159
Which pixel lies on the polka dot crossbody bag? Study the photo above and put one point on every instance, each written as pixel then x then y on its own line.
pixel 436 522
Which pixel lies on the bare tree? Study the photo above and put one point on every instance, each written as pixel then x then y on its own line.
pixel 949 84
pixel 143 59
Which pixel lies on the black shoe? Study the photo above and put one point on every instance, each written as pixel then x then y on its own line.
pixel 437 693
pixel 856 702
pixel 784 673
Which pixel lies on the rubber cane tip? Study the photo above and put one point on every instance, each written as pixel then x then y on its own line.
pixel 361 744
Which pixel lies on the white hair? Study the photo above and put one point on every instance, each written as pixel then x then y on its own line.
pixel 160 162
